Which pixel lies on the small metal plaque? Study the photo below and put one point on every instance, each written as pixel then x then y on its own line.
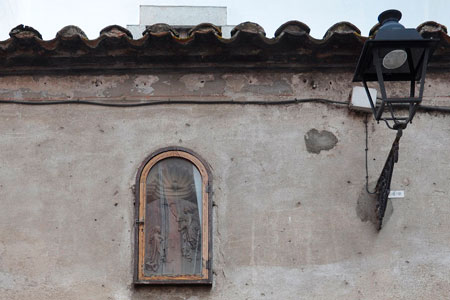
pixel 397 194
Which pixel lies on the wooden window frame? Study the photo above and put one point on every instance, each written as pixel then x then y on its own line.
pixel 149 162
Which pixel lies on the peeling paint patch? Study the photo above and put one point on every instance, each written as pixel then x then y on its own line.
pixel 255 85
pixel 317 141
pixel 234 82
pixel 66 87
pixel 194 82
pixel 271 88
pixel 143 84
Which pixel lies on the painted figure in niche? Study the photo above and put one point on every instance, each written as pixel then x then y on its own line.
pixel 156 249
pixel 174 213
pixel 189 227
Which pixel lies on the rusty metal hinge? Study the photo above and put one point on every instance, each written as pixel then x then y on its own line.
pixel 138 222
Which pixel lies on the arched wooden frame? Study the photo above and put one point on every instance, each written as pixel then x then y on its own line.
pixel 206 273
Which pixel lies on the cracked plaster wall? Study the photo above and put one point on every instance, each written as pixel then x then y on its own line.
pixel 286 220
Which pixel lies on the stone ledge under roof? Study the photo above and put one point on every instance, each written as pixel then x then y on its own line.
pixel 161 47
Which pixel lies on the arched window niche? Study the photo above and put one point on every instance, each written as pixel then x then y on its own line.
pixel 173 219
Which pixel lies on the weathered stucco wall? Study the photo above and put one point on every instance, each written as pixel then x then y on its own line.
pixel 287 180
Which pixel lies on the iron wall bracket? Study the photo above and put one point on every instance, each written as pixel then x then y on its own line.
pixel 383 187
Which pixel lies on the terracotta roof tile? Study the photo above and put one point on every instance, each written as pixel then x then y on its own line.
pixel 205 28
pixel 116 31
pixel 293 28
pixel 71 32
pixel 160 29
pixel 342 28
pixel 203 47
pixel 248 27
pixel 22 31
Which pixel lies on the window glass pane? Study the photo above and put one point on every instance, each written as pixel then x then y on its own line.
pixel 173 219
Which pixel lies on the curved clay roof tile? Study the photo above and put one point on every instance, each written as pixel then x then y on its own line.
pixel 22 31
pixel 431 26
pixel 249 27
pixel 116 31
pixel 293 27
pixel 204 28
pixel 160 28
pixel 341 28
pixel 71 31
pixel 374 30
pixel 427 27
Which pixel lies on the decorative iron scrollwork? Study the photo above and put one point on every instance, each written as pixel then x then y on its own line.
pixel 383 187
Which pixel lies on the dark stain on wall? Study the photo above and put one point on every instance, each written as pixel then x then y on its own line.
pixel 366 206
pixel 317 141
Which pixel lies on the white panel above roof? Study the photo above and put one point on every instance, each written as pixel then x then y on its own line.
pixel 136 30
pixel 182 15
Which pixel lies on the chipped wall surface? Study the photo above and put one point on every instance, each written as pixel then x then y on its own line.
pixel 289 221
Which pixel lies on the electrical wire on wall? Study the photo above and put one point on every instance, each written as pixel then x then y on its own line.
pixel 164 102
pixel 226 102
pixel 424 108
pixel 367 162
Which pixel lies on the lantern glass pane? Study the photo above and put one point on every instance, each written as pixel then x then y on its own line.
pixel 395 59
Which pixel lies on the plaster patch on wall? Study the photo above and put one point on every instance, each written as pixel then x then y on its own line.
pixel 234 82
pixel 194 82
pixel 317 141
pixel 104 86
pixel 143 84
pixel 248 86
pixel 256 86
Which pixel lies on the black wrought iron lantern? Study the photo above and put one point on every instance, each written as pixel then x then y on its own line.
pixel 394 54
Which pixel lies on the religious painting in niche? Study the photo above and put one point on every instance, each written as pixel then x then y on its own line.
pixel 174 204
pixel 174 231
